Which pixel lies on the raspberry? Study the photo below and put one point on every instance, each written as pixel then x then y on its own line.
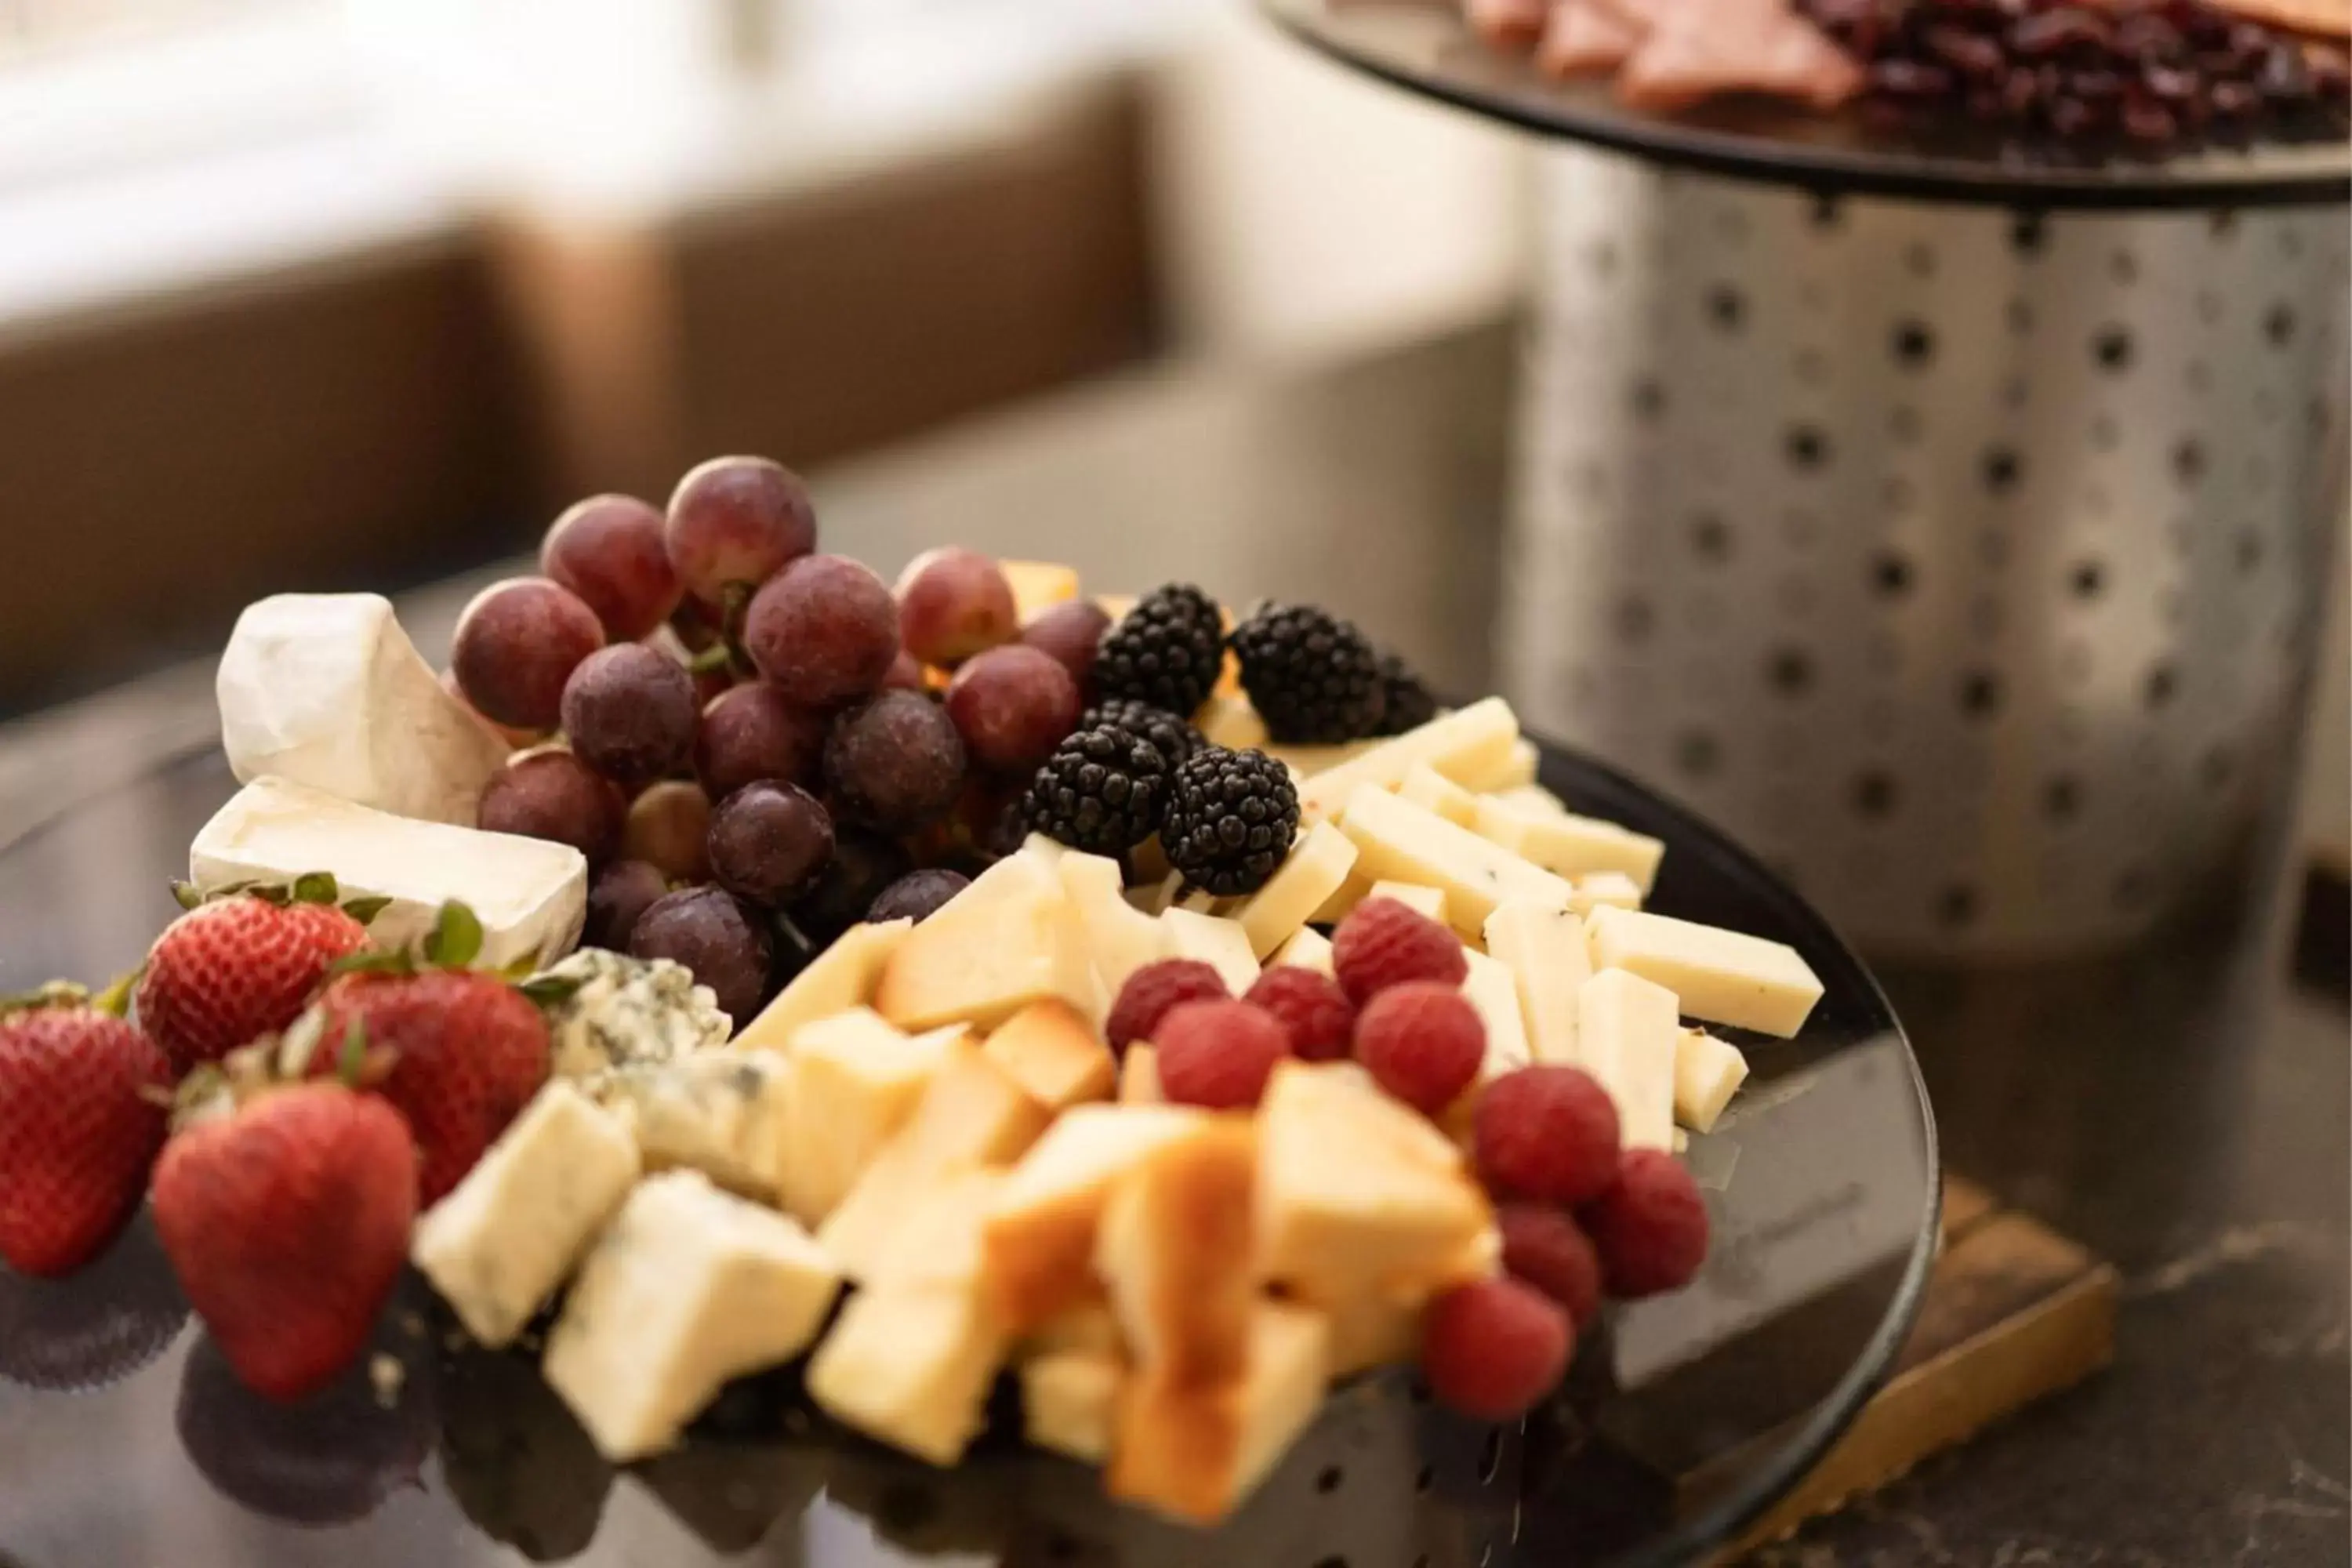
pixel 1650 1226
pixel 1152 990
pixel 1311 1006
pixel 1422 1042
pixel 1383 942
pixel 1218 1055
pixel 1491 1349
pixel 1549 1133
pixel 1549 1250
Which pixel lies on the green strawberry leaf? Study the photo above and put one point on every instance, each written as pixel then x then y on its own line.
pixel 115 1000
pixel 364 910
pixel 278 896
pixel 316 888
pixel 552 990
pixel 375 961
pixel 456 938
pixel 50 993
pixel 184 894
pixel 353 1056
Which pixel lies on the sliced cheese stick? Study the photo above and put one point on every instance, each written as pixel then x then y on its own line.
pixel 1219 942
pixel 1463 744
pixel 1722 976
pixel 1544 948
pixel 1306 948
pixel 1491 989
pixel 1395 839
pixel 1604 887
pixel 1429 902
pixel 1425 786
pixel 1568 845
pixel 1707 1073
pixel 1317 866
pixel 1627 1030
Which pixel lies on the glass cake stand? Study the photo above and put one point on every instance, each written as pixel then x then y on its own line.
pixel 123 1439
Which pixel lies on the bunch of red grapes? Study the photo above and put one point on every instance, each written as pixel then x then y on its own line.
pixel 761 744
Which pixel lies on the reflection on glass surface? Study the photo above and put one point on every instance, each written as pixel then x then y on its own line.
pixel 1685 1416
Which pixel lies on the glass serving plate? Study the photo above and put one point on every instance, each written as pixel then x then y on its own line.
pixel 125 1443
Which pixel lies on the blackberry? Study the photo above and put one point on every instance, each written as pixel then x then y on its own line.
pixel 1230 818
pixel 1166 652
pixel 1313 677
pixel 1407 703
pixel 1104 791
pixel 1170 733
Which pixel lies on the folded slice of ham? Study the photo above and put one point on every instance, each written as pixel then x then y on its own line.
pixel 1696 48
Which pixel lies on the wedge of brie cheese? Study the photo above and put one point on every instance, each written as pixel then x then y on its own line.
pixel 529 895
pixel 325 690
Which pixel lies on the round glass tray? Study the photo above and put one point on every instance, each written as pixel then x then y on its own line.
pixel 1426 45
pixel 123 1439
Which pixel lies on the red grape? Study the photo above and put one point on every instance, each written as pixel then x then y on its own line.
pixel 907 674
pixel 619 894
pixel 608 550
pixel 516 643
pixel 667 827
pixel 894 763
pixel 752 733
pixel 864 864
pixel 511 736
pixel 954 602
pixel 769 841
pixel 734 522
pixel 1070 633
pixel 916 895
pixel 555 796
pixel 824 631
pixel 1013 706
pixel 722 941
pixel 629 712
pixel 1492 1348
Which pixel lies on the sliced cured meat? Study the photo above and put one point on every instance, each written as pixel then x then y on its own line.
pixel 1697 50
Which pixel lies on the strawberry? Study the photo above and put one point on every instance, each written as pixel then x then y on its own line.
pixel 467 1052
pixel 287 1220
pixel 79 1128
pixel 242 966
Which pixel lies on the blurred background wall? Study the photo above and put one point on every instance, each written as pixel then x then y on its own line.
pixel 314 293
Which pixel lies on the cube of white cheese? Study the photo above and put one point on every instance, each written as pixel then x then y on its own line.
pixel 1138 1075
pixel 1039 1238
pixel 1119 938
pixel 723 1114
pixel 1491 988
pixel 1707 1073
pixel 326 690
pixel 1598 888
pixel 688 1287
pixel 1532 797
pixel 1627 1030
pixel 1515 769
pixel 529 895
pixel 1153 898
pixel 1054 1055
pixel 840 977
pixel 1425 786
pixel 1067 1401
pixel 1427 902
pixel 1351 892
pixel 855 1080
pixel 1567 844
pixel 1219 942
pixel 1307 949
pixel 1233 723
pixel 1470 742
pixel 1722 976
pixel 981 963
pixel 1399 840
pixel 1318 863
pixel 507 1236
pixel 910 1368
pixel 1544 948
pixel 1195 1450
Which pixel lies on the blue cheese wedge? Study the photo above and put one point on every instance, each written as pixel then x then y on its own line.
pixel 723 1114
pixel 620 1013
pixel 689 1287
pixel 325 690
pixel 509 1236
pixel 1722 976
pixel 529 895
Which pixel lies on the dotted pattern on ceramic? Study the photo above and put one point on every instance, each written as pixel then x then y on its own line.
pixel 1966 565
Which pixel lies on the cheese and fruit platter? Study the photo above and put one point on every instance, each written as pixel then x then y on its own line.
pixel 1107 1067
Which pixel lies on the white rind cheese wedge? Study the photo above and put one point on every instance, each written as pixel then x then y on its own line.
pixel 1627 1029
pixel 911 1368
pixel 1570 845
pixel 1068 1401
pixel 1039 1240
pixel 1315 868
pixel 509 1236
pixel 855 1081
pixel 1425 786
pixel 1461 745
pixel 1219 942
pixel 1196 1451
pixel 1397 839
pixel 1428 902
pixel 529 895
pixel 980 962
pixel 972 1114
pixel 1707 1073
pixel 325 690
pixel 1544 948
pixel 1604 887
pixel 1120 939
pixel 1494 991
pixel 1306 948
pixel 687 1288
pixel 1055 1055
pixel 1722 976
pixel 723 1114
pixel 840 977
